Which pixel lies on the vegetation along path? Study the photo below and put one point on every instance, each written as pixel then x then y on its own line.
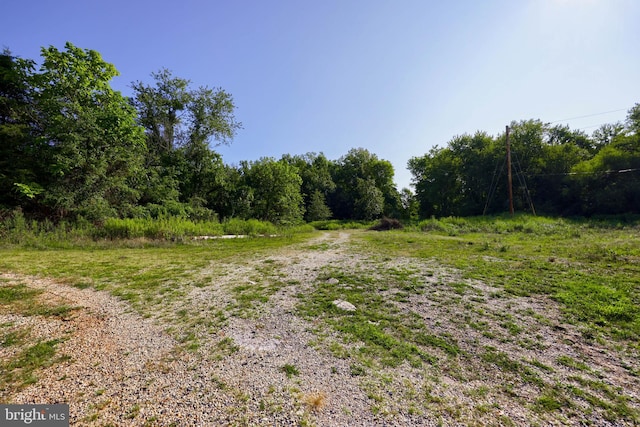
pixel 343 328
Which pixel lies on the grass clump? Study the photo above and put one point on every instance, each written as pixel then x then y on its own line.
pixel 290 370
pixel 386 224
pixel 315 401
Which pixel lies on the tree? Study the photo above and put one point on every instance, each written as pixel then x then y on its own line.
pixel 361 179
pixel 275 190
pixel 181 123
pixel 20 159
pixel 369 201
pixel 608 183
pixel 93 143
pixel 317 183
pixel 476 158
pixel 316 208
pixel 410 205
pixel 633 119
pixel 606 133
pixel 435 179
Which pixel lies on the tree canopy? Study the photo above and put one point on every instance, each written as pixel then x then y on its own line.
pixel 71 146
pixel 559 170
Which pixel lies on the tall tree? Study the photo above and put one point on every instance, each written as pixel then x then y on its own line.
pixel 317 183
pixel 364 187
pixel 275 190
pixel 633 119
pixel 20 152
pixel 181 125
pixel 435 178
pixel 91 130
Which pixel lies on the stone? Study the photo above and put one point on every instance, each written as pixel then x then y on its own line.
pixel 344 305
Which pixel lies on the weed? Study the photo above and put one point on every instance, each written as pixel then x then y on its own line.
pixel 315 401
pixel 290 370
pixel 133 412
pixel 16 337
pixel 357 370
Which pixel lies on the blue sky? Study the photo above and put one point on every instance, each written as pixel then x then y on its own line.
pixel 394 77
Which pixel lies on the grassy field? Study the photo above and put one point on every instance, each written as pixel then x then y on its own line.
pixel 541 315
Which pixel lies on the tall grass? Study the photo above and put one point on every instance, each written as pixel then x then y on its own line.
pixel 15 229
pixel 525 223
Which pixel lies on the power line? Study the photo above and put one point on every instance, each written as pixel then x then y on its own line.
pixel 588 115
pixel 584 173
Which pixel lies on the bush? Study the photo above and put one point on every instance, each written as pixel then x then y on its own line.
pixel 387 224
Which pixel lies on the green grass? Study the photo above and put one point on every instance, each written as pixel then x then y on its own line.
pixel 290 370
pixel 591 268
pixel 452 300
pixel 388 335
pixel 21 367
pixel 21 370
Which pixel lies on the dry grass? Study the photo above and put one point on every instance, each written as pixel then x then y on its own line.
pixel 315 401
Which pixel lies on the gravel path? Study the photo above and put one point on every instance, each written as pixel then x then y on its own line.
pixel 127 370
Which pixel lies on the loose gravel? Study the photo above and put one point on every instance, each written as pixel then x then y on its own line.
pixel 267 366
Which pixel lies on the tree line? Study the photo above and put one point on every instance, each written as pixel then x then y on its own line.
pixel 556 170
pixel 71 146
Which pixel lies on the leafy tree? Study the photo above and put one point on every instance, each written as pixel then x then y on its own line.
pixel 317 183
pixel 608 183
pixel 410 204
pixel 477 156
pixel 435 178
pixel 633 119
pixel 94 144
pixel 180 125
pixel 230 196
pixel 364 186
pixel 275 190
pixel 317 209
pixel 369 201
pixel 606 133
pixel 20 159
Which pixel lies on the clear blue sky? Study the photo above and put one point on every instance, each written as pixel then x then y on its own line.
pixel 393 76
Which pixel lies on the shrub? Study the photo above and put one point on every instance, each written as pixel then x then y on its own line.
pixel 386 224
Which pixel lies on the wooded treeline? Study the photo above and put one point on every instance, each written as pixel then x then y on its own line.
pixel 561 171
pixel 71 147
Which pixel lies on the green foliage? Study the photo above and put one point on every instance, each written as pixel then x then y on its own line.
pixel 275 194
pixel 562 171
pixel 317 209
pixel 317 183
pixel 15 229
pixel 335 224
pixel 290 370
pixel 95 144
pixel 364 187
pixel 73 148
pixel 250 227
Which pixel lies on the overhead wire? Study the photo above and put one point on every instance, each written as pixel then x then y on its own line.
pixel 588 115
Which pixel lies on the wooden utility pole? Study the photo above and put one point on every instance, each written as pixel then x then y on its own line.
pixel 509 178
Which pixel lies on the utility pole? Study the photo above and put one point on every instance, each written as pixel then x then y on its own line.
pixel 509 178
